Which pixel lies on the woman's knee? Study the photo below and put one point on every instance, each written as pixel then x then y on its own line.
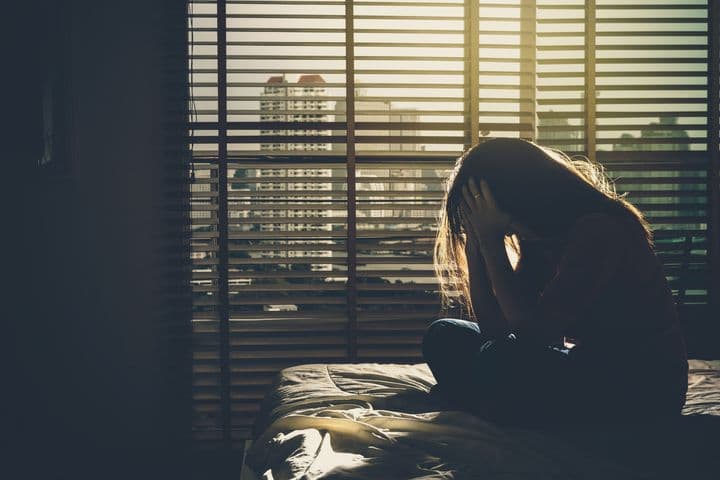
pixel 448 333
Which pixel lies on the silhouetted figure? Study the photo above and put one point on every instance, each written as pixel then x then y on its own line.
pixel 571 315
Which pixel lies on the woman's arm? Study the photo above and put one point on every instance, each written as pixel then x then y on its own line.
pixel 485 306
pixel 594 251
pixel 489 227
pixel 517 309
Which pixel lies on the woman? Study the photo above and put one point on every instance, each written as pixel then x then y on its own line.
pixel 572 316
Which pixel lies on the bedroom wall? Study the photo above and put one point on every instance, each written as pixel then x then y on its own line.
pixel 99 372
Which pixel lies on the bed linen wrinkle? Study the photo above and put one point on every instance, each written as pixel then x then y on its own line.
pixel 378 421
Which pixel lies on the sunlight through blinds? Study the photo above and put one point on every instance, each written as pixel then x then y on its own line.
pixel 410 125
pixel 652 93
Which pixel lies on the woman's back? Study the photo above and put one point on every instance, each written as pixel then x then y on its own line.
pixel 604 280
pixel 608 293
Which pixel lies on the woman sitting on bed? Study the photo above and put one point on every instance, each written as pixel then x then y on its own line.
pixel 574 319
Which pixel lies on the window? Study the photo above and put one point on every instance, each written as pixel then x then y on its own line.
pixel 322 132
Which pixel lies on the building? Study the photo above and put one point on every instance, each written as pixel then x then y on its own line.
pixel 407 180
pixel 302 101
pixel 306 101
pixel 666 128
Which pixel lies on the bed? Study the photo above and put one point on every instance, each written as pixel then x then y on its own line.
pixel 378 421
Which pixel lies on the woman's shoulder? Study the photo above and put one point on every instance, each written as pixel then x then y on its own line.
pixel 608 230
pixel 601 220
pixel 605 224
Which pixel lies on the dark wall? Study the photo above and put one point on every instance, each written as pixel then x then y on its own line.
pixel 101 354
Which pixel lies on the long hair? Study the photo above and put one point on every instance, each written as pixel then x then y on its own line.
pixel 539 187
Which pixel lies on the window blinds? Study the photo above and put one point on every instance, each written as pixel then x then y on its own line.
pixel 322 131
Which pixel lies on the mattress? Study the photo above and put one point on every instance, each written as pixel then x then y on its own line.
pixel 378 421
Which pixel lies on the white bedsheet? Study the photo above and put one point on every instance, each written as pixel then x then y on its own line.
pixel 375 421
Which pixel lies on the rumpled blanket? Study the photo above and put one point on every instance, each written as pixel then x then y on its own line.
pixel 377 421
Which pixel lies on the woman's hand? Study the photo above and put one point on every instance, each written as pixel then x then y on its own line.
pixel 487 225
pixel 482 218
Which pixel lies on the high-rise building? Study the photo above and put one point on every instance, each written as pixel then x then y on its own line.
pixel 303 101
pixel 390 197
pixel 409 180
pixel 663 130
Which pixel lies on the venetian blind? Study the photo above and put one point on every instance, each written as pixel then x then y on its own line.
pixel 322 132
